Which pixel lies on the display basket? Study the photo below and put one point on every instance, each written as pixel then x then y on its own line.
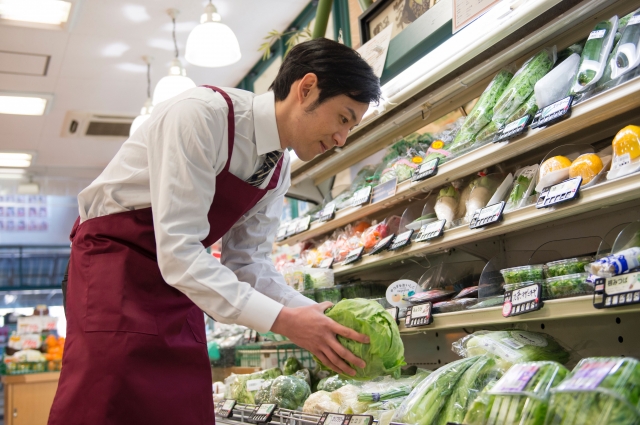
pixel 267 356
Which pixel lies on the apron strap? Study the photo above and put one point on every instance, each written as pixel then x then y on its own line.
pixel 231 123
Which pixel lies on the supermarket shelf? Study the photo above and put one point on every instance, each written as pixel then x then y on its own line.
pixel 591 112
pixel 602 195
pixel 551 310
pixel 461 76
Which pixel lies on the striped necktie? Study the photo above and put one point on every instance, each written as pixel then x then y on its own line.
pixel 270 161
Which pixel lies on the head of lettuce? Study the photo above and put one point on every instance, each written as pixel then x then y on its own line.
pixel 384 355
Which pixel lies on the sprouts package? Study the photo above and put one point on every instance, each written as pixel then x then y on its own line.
pixel 595 54
pixel 599 390
pixel 627 54
pixel 521 396
pixel 522 84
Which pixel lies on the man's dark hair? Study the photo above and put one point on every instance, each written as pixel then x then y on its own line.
pixel 340 70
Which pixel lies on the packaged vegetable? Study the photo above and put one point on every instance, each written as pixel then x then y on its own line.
pixel 573 49
pixel 522 187
pixel 453 305
pixel 425 402
pixel 390 392
pixel 556 85
pixel 567 266
pixel 333 294
pixel 474 379
pixel 347 398
pixel 587 166
pixel 570 285
pixel 477 412
pixel 446 205
pixel 439 146
pixel 599 390
pixel 401 168
pixel 618 263
pixel 356 290
pixel 291 366
pixel 373 235
pixel 511 347
pixel 482 112
pixel 523 273
pixel 289 392
pixel 384 355
pixel 243 388
pixel 595 54
pixel 529 107
pixel 320 402
pixel 264 393
pixel 522 84
pixel 488 133
pixel 521 397
pixel 331 383
pixel 482 189
pixel 628 52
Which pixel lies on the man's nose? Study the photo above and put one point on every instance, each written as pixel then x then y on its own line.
pixel 340 138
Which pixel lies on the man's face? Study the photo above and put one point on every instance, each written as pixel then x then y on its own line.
pixel 322 127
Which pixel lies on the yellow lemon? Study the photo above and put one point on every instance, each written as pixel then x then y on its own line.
pixel 627 141
pixel 588 166
pixel 554 164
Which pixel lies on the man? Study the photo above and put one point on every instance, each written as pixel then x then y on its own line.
pixel 207 164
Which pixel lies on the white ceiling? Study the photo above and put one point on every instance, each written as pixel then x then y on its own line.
pixel 96 66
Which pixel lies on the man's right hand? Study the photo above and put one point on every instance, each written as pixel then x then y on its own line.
pixel 309 328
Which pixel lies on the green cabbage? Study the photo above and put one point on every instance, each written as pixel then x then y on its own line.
pixel 384 355
pixel 289 392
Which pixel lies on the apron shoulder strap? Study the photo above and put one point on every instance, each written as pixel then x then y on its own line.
pixel 231 123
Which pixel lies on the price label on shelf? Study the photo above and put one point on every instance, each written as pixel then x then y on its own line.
pixel 553 113
pixel 487 215
pixel 353 256
pixel 291 228
pixel 328 212
pixel 431 230
pixel 225 410
pixel 332 419
pixel 327 263
pixel 282 232
pixel 384 191
pixel 513 129
pixel 394 312
pixel 522 300
pixel 561 192
pixel 303 224
pixel 418 315
pixel 382 244
pixel 263 413
pixel 403 239
pixel 360 420
pixel 617 291
pixel 425 170
pixel 361 196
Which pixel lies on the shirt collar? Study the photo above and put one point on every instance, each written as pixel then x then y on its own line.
pixel 264 121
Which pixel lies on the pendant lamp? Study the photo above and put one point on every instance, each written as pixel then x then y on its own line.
pixel 212 44
pixel 177 81
pixel 145 112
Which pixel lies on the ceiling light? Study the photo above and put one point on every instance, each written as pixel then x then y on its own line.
pixel 212 44
pixel 145 113
pixel 177 81
pixel 14 159
pixel 23 104
pixel 135 13
pixel 49 12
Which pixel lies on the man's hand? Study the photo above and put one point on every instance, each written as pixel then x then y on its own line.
pixel 309 328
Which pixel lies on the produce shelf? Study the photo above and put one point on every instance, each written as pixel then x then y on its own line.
pixel 588 113
pixel 551 310
pixel 602 195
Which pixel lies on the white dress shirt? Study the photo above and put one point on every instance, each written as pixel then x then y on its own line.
pixel 171 163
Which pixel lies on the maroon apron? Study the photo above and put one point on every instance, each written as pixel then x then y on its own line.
pixel 136 347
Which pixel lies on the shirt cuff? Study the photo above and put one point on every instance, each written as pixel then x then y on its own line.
pixel 259 313
pixel 300 300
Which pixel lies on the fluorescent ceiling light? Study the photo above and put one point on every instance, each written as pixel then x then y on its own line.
pixel 16 104
pixel 12 159
pixel 50 12
pixel 15 171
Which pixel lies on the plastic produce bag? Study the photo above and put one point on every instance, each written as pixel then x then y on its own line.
pixel 400 168
pixel 347 398
pixel 521 397
pixel 556 85
pixel 511 347
pixel 482 189
pixel 522 187
pixel 453 305
pixel 374 234
pixel 599 390
pixel 384 355
pixel 320 402
pixel 522 84
pixel 424 403
pixel 477 411
pixel 595 54
pixel 243 388
pixel 289 392
pixel 331 383
pixel 627 55
pixel 291 366
pixel 264 393
pixel 615 264
pixel 385 389
pixel 446 205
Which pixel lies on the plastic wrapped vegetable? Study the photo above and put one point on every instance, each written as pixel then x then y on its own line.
pixel 385 389
pixel 401 168
pixel 289 392
pixel 573 49
pixel 243 388
pixel 521 397
pixel 424 403
pixel 599 390
pixel 470 384
pixel 482 112
pixel 628 51
pixel 556 85
pixel 511 347
pixel 331 383
pixel 595 54
pixel 447 205
pixel 522 186
pixel 304 375
pixel 570 285
pixel 476 414
pixel 320 402
pixel 522 84
pixel 567 266
pixel 264 393
pixel 615 264
pixel 482 189
pixel 333 294
pixel 291 366
pixel 384 355
pixel 374 234
pixel 523 274
pixel 488 302
pixel 347 398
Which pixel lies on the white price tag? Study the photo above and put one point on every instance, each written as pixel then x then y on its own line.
pixel 361 196
pixel 597 34
pixel 621 161
pixel 254 384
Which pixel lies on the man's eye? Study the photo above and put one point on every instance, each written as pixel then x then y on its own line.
pixel 344 120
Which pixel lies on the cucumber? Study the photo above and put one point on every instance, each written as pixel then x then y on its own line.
pixel 627 52
pixel 595 53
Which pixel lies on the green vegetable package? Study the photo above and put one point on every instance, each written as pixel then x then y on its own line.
pixel 384 355
pixel 243 388
pixel 289 392
pixel 595 53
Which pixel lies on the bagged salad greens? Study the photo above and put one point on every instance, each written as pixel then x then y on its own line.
pixel 510 347
pixel 599 390
pixel 522 187
pixel 522 84
pixel 473 380
pixel 521 397
pixel 627 54
pixel 595 53
pixel 289 392
pixel 384 355
pixel 482 112
pixel 243 388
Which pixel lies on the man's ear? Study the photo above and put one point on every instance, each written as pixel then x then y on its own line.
pixel 306 87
